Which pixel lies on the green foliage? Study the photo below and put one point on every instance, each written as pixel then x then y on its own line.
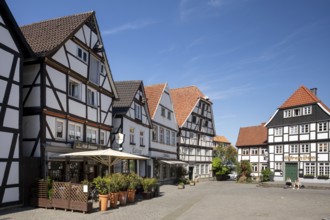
pixel 102 185
pixel 181 171
pixel 219 168
pixel 228 155
pixel 115 182
pixel 50 187
pixel 323 177
pixel 148 183
pixel 244 170
pixel 134 180
pixel 308 176
pixel 266 175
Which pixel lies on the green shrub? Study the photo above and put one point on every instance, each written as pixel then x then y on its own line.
pixel 308 176
pixel 244 170
pixel 323 177
pixel 266 175
pixel 102 185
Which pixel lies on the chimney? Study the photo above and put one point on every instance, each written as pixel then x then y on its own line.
pixel 314 91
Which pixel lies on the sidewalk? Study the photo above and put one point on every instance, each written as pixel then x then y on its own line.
pixel 278 184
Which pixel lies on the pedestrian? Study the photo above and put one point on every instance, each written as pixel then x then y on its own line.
pixel 288 182
pixel 297 183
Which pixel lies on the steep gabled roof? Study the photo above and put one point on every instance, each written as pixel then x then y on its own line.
pixel 184 100
pixel 221 139
pixel 46 36
pixel 301 96
pixel 19 38
pixel 126 91
pixel 154 94
pixel 252 136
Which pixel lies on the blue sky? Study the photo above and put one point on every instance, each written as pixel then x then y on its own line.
pixel 248 56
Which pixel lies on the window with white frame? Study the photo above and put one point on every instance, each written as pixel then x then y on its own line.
pixel 304 128
pixel 191 151
pixel 82 54
pixel 202 169
pixel 163 111
pixel 287 113
pixel 309 169
pixel 254 151
pixel 278 149
pixel 142 138
pixel 323 147
pixel 245 151
pixel 75 89
pixel 254 167
pixel 75 131
pixel 278 131
pixel 304 148
pixel 168 137
pixel 264 151
pixel 132 136
pixel 59 129
pixel 198 152
pixel 294 148
pixel 263 167
pixel 138 111
pixel 91 135
pixel 293 129
pixel 169 115
pixel 307 110
pixel 102 137
pixel 278 166
pixel 155 133
pixel 95 67
pixel 173 138
pixel 296 112
pixel 324 169
pixel 197 169
pixel 322 126
pixel 91 97
pixel 161 135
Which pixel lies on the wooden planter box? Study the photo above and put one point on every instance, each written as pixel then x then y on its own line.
pixel 61 204
pixel 41 202
pixel 81 206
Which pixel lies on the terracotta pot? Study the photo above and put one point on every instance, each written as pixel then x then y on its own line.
pixel 103 202
pixel 122 197
pixel 131 195
pixel 113 200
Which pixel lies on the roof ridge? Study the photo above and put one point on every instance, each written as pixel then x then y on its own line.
pixel 156 84
pixel 52 19
pixel 185 87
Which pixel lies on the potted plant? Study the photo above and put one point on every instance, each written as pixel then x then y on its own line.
pixel 133 181
pixel 146 185
pixel 192 183
pixel 122 185
pixel 181 185
pixel 114 189
pixel 102 186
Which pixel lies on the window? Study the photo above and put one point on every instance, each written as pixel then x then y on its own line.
pixel 296 112
pixel 59 129
pixel 206 123
pixel 323 147
pixel 263 167
pixel 194 119
pixel 91 135
pixel 254 151
pixel 74 89
pixel 245 151
pixel 141 138
pixel 324 169
pixel 198 152
pixel 293 129
pixel 173 138
pixel 264 151
pixel 161 135
pixel 304 148
pixel 304 129
pixel 91 97
pixel 309 169
pixel 307 110
pixel 168 137
pixel 169 115
pixel 278 131
pixel 82 54
pixel 138 112
pixel 202 169
pixel 278 149
pixel 131 136
pixel 278 166
pixel 74 131
pixel 294 148
pixel 322 126
pixel 163 111
pixel 95 68
pixel 287 113
pixel 155 133
pixel 102 137
pixel 254 167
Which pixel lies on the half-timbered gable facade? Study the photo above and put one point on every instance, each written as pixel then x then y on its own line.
pixel 252 146
pixel 131 117
pixel 13 49
pixel 220 141
pixel 299 137
pixel 67 94
pixel 163 147
pixel 193 111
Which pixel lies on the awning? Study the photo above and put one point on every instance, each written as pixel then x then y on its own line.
pixel 173 161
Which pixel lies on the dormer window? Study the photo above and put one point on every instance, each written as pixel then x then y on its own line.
pixel 307 110
pixel 296 112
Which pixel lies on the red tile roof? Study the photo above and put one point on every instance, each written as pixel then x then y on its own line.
pixel 47 35
pixel 221 139
pixel 184 101
pixel 252 136
pixel 153 94
pixel 301 96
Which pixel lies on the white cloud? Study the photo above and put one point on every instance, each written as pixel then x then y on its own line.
pixel 129 26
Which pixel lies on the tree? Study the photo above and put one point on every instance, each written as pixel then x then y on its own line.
pixel 228 155
pixel 220 170
pixel 244 170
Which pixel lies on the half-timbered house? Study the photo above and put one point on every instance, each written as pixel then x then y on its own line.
pixel 221 141
pixel 67 95
pixel 13 49
pixel 299 136
pixel 252 146
pixel 163 147
pixel 194 115
pixel 132 119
